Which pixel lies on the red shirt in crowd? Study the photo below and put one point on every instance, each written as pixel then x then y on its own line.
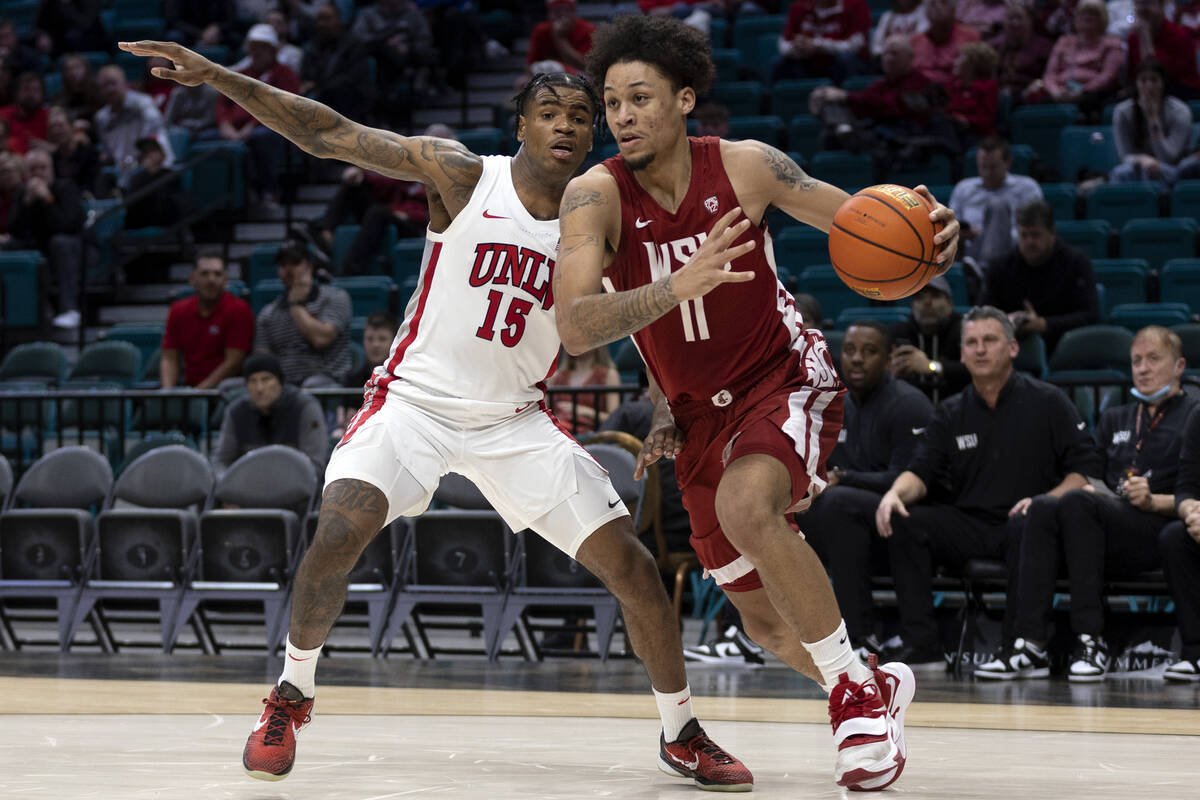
pixel 279 75
pixel 541 41
pixel 837 22
pixel 406 197
pixel 1175 48
pixel 22 128
pixel 976 102
pixel 891 100
pixel 937 60
pixel 202 341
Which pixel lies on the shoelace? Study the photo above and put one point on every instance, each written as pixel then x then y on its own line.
pixel 709 748
pixel 858 700
pixel 282 713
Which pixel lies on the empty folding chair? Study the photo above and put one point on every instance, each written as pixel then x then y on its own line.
pixel 1180 281
pixel 1124 279
pixel 1086 149
pixel 800 247
pixel 44 362
pixel 1088 235
pixel 1120 202
pixel 1040 127
pixel 1136 316
pixel 1062 197
pixel 1158 240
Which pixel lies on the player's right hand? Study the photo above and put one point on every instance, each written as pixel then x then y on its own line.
pixel 883 515
pixel 190 69
pixel 708 267
pixel 664 441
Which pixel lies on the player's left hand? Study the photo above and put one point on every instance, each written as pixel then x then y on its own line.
pixel 946 240
pixel 665 441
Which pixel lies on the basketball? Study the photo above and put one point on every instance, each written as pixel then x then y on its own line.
pixel 881 242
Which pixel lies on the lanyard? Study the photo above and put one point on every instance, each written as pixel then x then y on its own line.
pixel 1154 420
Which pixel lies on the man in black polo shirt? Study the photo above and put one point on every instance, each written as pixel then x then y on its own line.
pixel 1106 531
pixel 928 343
pixel 1002 441
pixel 1179 544
pixel 883 419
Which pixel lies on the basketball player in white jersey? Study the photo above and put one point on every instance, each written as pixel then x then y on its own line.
pixel 462 391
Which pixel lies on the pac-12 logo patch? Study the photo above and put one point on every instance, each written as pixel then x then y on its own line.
pixel 712 204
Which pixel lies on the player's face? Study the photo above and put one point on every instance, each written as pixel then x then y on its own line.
pixel 645 114
pixel 263 389
pixel 556 128
pixel 1153 364
pixel 208 279
pixel 986 350
pixel 376 344
pixel 1035 243
pixel 864 358
pixel 932 310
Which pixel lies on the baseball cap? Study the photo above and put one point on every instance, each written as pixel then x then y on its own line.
pixel 262 32
pixel 939 283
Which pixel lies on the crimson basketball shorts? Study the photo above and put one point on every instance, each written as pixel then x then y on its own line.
pixel 782 416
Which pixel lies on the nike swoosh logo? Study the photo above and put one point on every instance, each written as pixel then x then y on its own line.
pixel 684 700
pixel 918 431
pixel 691 765
pixel 613 504
pixel 641 223
pixel 293 658
pixel 487 215
pixel 258 725
pixel 842 640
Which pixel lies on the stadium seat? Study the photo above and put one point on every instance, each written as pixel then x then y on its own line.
pixel 748 32
pixel 1185 199
pixel 856 83
pixel 1022 158
pixel 885 314
pixel 112 360
pixel 849 171
pixel 1040 127
pixel 41 362
pixel 957 278
pixel 1158 240
pixel 1088 235
pixel 790 97
pixel 766 129
pixel 1136 316
pixel 1062 198
pixel 804 134
pixel 1120 202
pixel 261 264
pixel 1179 281
pixel 20 288
pixel 369 293
pixel 834 338
pixel 220 180
pixel 823 283
pixel 265 291
pixel 1090 149
pixel 1031 357
pixel 406 260
pixel 718 32
pixel 799 247
pixel 180 140
pixel 481 141
pixel 1189 336
pixel 1098 353
pixel 740 98
pixel 145 336
pixel 729 63
pixel 937 169
pixel 1124 279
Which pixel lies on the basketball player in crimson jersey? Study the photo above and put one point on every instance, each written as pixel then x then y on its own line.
pixel 666 242
pixel 462 391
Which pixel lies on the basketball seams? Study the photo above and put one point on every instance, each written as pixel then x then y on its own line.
pixel 907 221
pixel 914 278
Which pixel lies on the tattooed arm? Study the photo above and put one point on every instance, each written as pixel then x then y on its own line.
pixel 317 129
pixel 590 222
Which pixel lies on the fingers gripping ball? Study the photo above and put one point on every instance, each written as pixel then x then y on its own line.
pixel 881 242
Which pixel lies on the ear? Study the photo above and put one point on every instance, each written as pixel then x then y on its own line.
pixel 686 97
pixel 1180 366
pixel 1014 347
pixel 521 128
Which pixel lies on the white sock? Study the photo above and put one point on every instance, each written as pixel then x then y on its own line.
pixel 300 668
pixel 676 711
pixel 833 656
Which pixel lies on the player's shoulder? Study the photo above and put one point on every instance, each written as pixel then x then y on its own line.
pixel 596 187
pixel 746 151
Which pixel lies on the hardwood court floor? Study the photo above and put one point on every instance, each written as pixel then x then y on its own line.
pixel 144 726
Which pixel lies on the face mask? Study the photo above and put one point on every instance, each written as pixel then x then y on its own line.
pixel 1151 398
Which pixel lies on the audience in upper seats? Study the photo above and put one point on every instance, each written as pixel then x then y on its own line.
pixel 986 204
pixel 1084 66
pixel 271 412
pixel 1179 545
pixel 308 326
pixel 584 412
pixel 193 24
pixel 987 17
pixel 824 38
pixel 1103 530
pixel 76 158
pixel 47 215
pixel 208 334
pixel 558 43
pixel 80 93
pixel 905 18
pixel 974 93
pixel 265 149
pixel 27 117
pixel 1022 51
pixel 883 418
pixel 194 108
pixel 335 70
pixel 1045 286
pixel 126 117
pixel 935 50
pixel 1046 451
pixel 1152 132
pixel 1154 35
pixel 926 349
pixel 72 25
pixel 163 206
pixel 399 37
pixel 159 89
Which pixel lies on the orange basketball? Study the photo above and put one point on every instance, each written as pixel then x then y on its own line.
pixel 881 242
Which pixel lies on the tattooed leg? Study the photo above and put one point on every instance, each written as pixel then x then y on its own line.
pixel 352 513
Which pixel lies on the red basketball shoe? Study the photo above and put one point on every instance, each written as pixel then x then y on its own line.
pixel 868 726
pixel 271 749
pixel 694 755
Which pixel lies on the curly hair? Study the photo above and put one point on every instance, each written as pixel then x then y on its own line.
pixel 557 80
pixel 678 51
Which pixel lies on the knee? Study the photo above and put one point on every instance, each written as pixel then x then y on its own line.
pixel 771 635
pixel 1074 503
pixel 1172 540
pixel 745 520
pixel 621 563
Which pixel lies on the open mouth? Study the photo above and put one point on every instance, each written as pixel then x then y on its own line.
pixel 629 138
pixel 562 149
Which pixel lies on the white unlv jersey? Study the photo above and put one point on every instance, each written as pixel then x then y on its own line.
pixel 480 325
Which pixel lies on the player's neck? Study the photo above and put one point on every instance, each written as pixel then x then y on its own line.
pixel 539 191
pixel 669 175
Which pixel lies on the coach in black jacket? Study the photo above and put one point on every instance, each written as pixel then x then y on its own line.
pixel 1179 544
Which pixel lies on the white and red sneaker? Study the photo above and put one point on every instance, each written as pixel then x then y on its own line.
pixel 694 755
pixel 868 726
pixel 271 749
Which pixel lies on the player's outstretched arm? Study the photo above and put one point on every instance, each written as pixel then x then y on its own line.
pixel 319 130
pixel 590 222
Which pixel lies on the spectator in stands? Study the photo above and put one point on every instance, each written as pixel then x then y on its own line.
pixel 1107 530
pixel 905 18
pixel 47 215
pixel 1179 544
pixel 824 38
pixel 559 43
pixel 926 349
pixel 935 50
pixel 378 334
pixel 1022 51
pixel 986 205
pixel 974 93
pixel 270 413
pixel 335 70
pixel 15 56
pixel 987 17
pixel 398 35
pixel 308 326
pixel 811 315
pixel 210 23
pixel 163 206
pixel 266 149
pixel 1152 132
pixel 1045 286
pixel 76 159
pixel 584 412
pixel 80 94
pixel 207 334
pixel 1187 16
pixel 286 53
pixel 159 89
pixel 27 117
pixel 72 25
pixel 126 117
pixel 1154 35
pixel 712 119
pixel 987 497
pixel 194 108
pixel 1084 66
pixel 883 420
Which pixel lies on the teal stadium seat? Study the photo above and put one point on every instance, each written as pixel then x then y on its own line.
pixel 1180 281
pixel 180 140
pixel 1189 336
pixel 406 260
pixel 1158 240
pixel 1102 301
pixel 849 171
pixel 19 276
pixel 729 63
pixel 1062 198
pixel 261 265
pixel 482 141
pixel 937 169
pixel 36 362
pixel 790 97
pixel 264 292
pixel 957 278
pixel 1086 148
pixel 856 83
pixel 220 181
pixel 1120 202
pixel 368 293
pixel 1031 358
pixel 799 247
pixel 747 33
pixel 108 361
pixel 835 339
pixel 804 134
pixel 145 336
pixel 1096 353
pixel 718 32
pixel 768 129
pixel 1124 279
pixel 343 240
pixel 740 98
pixel 1040 127
pixel 1022 158
pixel 1088 235
pixel 1136 316
pixel 824 284
pixel 1185 199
